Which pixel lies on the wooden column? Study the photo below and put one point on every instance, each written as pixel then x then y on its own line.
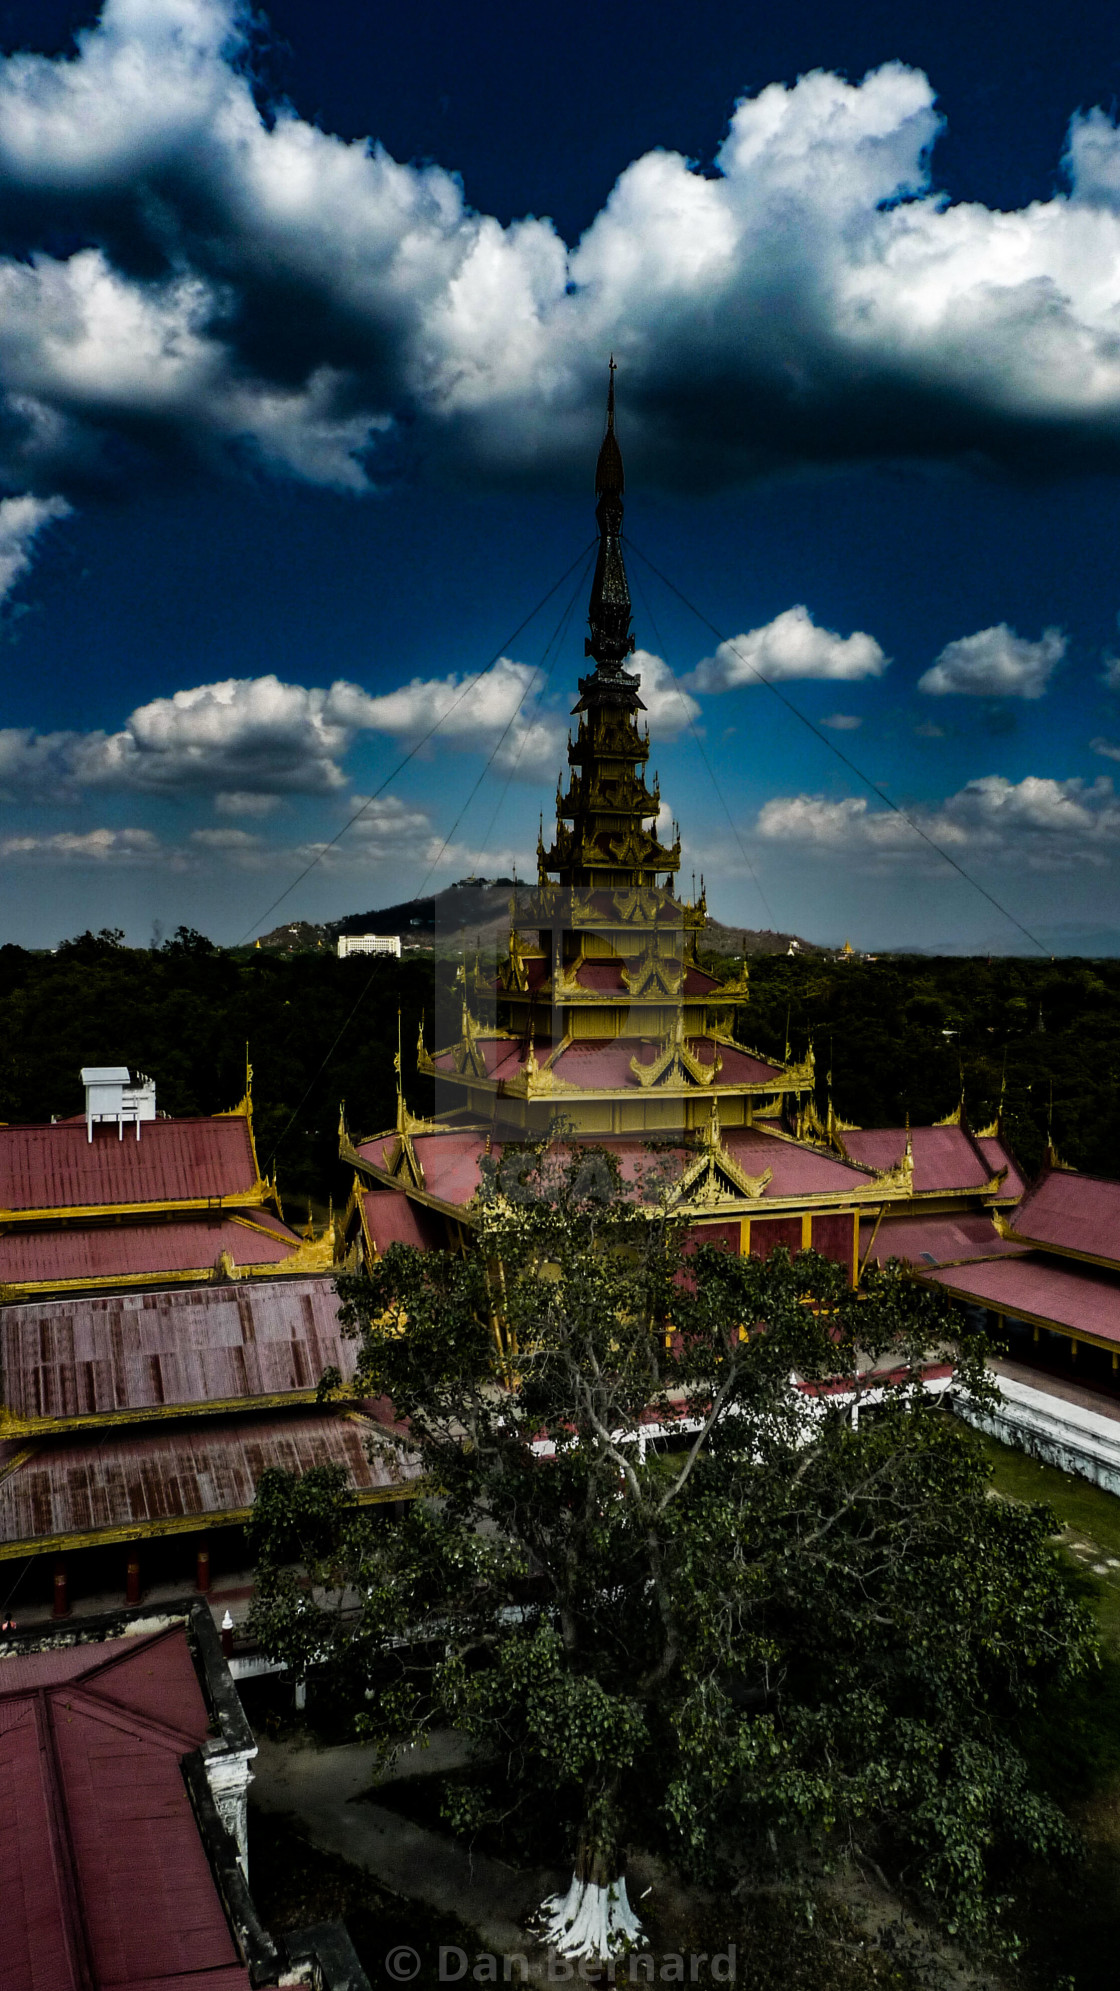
pixel 61 1597
pixel 132 1577
pixel 202 1565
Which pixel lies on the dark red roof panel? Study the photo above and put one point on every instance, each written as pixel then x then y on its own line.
pixel 100 1853
pixel 1076 1297
pixel 124 1251
pixel 105 1481
pixel 174 1161
pixel 96 1354
pixel 931 1240
pixel 392 1219
pixel 1072 1213
pixel 944 1157
pixel 998 1155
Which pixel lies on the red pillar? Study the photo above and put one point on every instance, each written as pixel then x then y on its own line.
pixel 202 1566
pixel 132 1578
pixel 61 1598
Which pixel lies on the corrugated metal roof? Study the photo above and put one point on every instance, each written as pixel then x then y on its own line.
pixel 1078 1298
pixel 100 1354
pixel 122 1251
pixel 174 1161
pixel 105 1877
pixel 163 1479
pixel 1072 1213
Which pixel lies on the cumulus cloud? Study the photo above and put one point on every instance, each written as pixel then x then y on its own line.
pixel 1111 673
pixel 995 663
pixel 99 847
pixel 21 521
pixel 247 282
pixel 791 646
pixel 670 709
pixel 1044 823
pixel 842 722
pixel 250 741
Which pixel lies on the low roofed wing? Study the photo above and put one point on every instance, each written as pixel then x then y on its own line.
pixel 166 1481
pixel 1076 1213
pixel 96 1253
pixel 174 1161
pixel 934 1240
pixel 105 1878
pixel 100 1356
pixel 1079 1299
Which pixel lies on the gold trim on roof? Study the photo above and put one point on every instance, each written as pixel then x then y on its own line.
pixel 676 1061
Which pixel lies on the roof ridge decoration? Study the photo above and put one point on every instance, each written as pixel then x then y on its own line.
pixel 955 1118
pixel 901 1174
pixel 715 1176
pixel 676 1061
pixel 659 971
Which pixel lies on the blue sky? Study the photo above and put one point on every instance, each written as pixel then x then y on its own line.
pixel 303 335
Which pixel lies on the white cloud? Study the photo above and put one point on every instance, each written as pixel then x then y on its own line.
pixel 250 741
pixel 88 847
pixel 492 714
pixel 820 302
pixel 241 802
pixel 995 663
pixel 791 646
pixel 842 722
pixel 21 521
pixel 1040 822
pixel 1105 748
pixel 1111 673
pixel 669 707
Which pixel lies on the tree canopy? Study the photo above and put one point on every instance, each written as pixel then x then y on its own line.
pixel 677 1592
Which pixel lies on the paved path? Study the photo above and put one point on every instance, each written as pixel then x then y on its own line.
pixel 319 1786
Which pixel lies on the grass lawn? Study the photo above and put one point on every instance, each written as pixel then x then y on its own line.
pixel 1090 1524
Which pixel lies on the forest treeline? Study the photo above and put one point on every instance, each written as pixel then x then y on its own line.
pixel 319 1031
pixel 907 1034
pixel 898 1035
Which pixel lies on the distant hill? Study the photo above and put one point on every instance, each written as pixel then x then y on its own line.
pixel 480 907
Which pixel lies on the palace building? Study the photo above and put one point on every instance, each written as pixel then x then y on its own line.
pixel 163 1333
pixel 601 1020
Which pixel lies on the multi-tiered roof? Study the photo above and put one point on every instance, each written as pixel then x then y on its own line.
pixel 602 1019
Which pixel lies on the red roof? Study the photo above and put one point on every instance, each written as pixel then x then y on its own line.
pixel 186 1477
pixel 944 1157
pixel 106 1881
pixel 174 1161
pixel 125 1251
pixel 95 1355
pixel 1080 1298
pixel 392 1219
pixel 998 1155
pixel 930 1240
pixel 450 1161
pixel 1071 1212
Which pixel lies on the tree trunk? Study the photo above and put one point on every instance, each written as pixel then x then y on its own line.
pixel 594 1918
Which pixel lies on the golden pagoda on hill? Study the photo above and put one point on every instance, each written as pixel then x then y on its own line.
pixel 600 1019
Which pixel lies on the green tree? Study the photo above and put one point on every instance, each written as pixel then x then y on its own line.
pixel 668 1591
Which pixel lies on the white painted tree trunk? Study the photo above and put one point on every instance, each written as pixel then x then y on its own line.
pixel 590 1921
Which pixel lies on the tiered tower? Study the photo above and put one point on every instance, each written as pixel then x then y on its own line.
pixel 601 1010
pixel 602 1020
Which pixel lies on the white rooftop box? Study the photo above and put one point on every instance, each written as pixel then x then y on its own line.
pixel 113 1094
